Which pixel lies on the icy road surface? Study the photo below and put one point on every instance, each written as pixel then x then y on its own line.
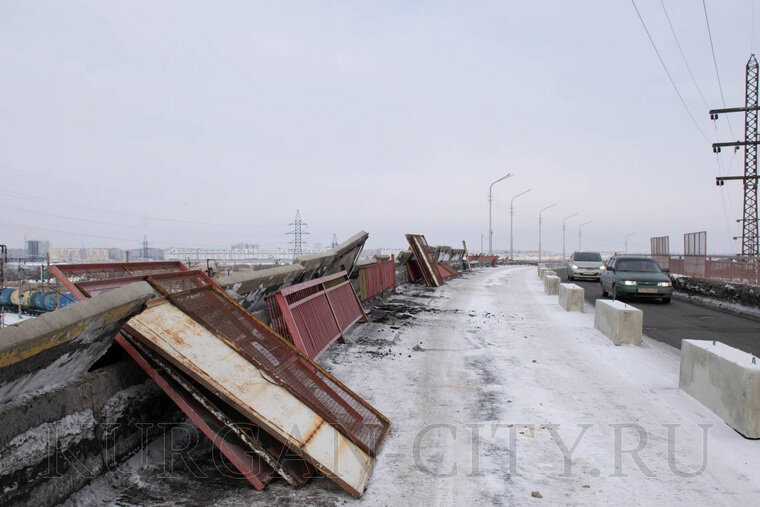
pixel 496 396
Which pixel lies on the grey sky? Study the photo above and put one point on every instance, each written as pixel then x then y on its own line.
pixel 161 118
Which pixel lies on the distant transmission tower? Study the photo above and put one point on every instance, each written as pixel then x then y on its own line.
pixel 145 248
pixel 749 220
pixel 297 233
pixel 334 241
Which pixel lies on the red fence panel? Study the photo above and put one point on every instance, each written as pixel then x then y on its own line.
pixel 374 279
pixel 484 260
pixel 313 314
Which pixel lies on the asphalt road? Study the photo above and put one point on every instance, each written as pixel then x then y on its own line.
pixel 678 320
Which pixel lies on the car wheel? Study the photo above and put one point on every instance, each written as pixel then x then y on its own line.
pixel 665 301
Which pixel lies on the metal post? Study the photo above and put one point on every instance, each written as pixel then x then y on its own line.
pixel 490 205
pixel 563 235
pixel 539 229
pixel 580 227
pixel 626 241
pixel 511 220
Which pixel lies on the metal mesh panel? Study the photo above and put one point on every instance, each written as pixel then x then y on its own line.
pixel 295 372
pixel 102 271
pixel 93 287
pixel 170 283
pixel 180 282
pixel 315 324
pixel 344 304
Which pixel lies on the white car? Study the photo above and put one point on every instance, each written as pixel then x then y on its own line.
pixel 585 265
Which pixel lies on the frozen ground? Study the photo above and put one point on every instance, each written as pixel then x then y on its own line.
pixel 486 381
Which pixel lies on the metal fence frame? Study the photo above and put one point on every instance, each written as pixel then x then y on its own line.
pixel 314 314
pixel 375 278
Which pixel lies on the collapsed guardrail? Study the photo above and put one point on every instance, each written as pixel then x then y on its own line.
pixel 266 405
pixel 313 315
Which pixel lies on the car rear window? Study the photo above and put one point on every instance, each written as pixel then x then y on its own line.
pixel 588 256
pixel 643 265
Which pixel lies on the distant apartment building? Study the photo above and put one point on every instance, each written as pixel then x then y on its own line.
pixel 79 254
pixel 37 249
pixel 238 252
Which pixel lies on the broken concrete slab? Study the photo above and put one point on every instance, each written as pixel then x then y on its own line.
pixel 55 347
pixel 341 258
pixel 250 289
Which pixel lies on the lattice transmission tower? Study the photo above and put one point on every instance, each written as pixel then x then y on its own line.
pixel 298 232
pixel 749 220
pixel 334 241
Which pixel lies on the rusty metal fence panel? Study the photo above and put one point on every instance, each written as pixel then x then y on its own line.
pixel 239 448
pixel 164 283
pixel 70 274
pixel 312 315
pixel 446 270
pixel 376 278
pixel 288 366
pixel 425 261
pixel 484 260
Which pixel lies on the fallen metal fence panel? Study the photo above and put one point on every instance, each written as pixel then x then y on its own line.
pixel 164 283
pixel 233 376
pixel 314 314
pixel 446 270
pixel 256 472
pixel 209 422
pixel 425 261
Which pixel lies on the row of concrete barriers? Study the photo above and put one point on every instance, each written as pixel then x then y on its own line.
pixel 724 379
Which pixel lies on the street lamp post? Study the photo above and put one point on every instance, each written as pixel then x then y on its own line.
pixel 511 221
pixel 580 227
pixel 563 234
pixel 490 202
pixel 539 229
pixel 626 240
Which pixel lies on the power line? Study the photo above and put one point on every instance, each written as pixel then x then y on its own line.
pixel 665 67
pixel 680 49
pixel 715 63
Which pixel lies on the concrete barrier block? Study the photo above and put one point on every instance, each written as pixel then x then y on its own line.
pixel 725 380
pixel 551 284
pixel 571 297
pixel 619 322
pixel 547 272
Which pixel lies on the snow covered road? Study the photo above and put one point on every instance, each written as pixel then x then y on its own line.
pixel 498 396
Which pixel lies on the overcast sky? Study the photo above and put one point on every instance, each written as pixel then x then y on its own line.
pixel 210 123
